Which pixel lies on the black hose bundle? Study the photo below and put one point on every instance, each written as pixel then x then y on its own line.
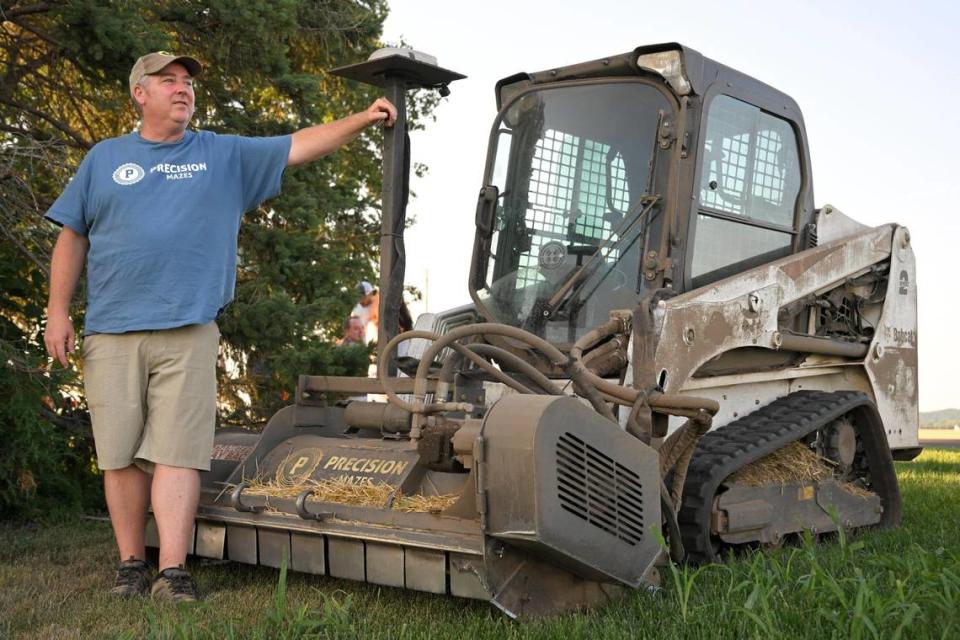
pixel 675 452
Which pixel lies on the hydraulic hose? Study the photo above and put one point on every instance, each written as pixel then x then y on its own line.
pixel 585 388
pixel 673 404
pixel 553 354
pixel 520 366
pixel 447 374
pixel 420 384
pixel 669 510
pixel 619 324
pixel 500 376
pixel 461 350
pixel 606 350
pixel 415 407
pixel 600 351
pixel 587 384
pixel 678 449
pixel 690 406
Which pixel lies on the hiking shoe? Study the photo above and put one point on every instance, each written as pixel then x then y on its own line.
pixel 175 584
pixel 133 578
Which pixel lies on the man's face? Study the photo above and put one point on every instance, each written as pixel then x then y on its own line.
pixel 355 330
pixel 167 97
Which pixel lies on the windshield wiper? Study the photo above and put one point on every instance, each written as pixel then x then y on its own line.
pixel 576 281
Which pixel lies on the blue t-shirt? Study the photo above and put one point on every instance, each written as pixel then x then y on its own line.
pixel 162 219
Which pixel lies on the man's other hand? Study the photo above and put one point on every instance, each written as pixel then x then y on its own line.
pixel 60 338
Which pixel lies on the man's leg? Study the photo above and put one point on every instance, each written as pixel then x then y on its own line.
pixel 176 492
pixel 128 494
pixel 178 439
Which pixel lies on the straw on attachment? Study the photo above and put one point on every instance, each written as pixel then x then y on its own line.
pixel 343 491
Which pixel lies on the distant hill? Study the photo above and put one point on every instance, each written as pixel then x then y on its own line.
pixel 939 418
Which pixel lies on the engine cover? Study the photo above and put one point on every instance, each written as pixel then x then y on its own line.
pixel 562 482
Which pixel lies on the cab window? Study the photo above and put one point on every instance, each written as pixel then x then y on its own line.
pixel 749 182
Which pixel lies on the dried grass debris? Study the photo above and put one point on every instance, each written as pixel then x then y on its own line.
pixel 424 504
pixel 793 463
pixel 343 491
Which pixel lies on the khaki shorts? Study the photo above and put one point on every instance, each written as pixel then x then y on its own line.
pixel 153 396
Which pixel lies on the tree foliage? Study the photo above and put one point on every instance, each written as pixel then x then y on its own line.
pixel 63 87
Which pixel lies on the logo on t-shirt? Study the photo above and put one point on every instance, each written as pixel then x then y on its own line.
pixel 128 173
pixel 179 171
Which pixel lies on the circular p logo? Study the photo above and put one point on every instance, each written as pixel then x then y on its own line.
pixel 552 255
pixel 128 173
pixel 300 464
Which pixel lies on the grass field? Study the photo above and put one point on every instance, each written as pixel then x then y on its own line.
pixel 889 584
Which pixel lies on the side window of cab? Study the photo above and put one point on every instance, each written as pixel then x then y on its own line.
pixel 749 182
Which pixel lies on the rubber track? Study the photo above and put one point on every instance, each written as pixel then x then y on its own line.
pixel 723 451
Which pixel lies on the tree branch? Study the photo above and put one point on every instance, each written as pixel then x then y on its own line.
pixel 63 128
pixel 39 34
pixel 30 9
pixel 75 425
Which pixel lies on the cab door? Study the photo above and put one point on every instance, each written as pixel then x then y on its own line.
pixel 747 191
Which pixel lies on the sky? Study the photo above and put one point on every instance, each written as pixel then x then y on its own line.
pixel 877 83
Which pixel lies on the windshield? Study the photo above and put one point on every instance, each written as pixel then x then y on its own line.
pixel 574 167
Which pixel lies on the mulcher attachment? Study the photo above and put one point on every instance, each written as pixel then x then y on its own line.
pixel 720 453
pixel 557 510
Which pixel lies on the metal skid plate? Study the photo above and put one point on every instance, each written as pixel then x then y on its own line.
pixel 394 566
pixel 465 571
pixel 308 553
pixel 347 559
pixel 385 564
pixel 242 544
pixel 273 547
pixel 426 570
pixel 152 535
pixel 211 539
pixel 390 565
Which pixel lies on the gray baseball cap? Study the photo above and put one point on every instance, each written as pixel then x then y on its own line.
pixel 154 62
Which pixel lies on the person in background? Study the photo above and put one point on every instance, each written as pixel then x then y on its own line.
pixel 353 332
pixel 368 309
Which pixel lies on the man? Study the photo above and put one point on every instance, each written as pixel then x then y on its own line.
pixel 155 216
pixel 352 332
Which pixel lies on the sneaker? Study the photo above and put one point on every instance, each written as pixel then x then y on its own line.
pixel 175 584
pixel 133 578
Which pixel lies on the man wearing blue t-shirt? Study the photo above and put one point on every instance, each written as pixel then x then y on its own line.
pixel 155 215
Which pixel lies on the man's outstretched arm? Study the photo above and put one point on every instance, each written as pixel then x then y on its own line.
pixel 69 255
pixel 317 141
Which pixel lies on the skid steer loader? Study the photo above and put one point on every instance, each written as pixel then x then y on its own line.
pixel 659 311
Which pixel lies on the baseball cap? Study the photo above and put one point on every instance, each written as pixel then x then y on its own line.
pixel 366 288
pixel 154 62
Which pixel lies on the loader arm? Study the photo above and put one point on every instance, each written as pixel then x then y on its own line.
pixel 748 314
